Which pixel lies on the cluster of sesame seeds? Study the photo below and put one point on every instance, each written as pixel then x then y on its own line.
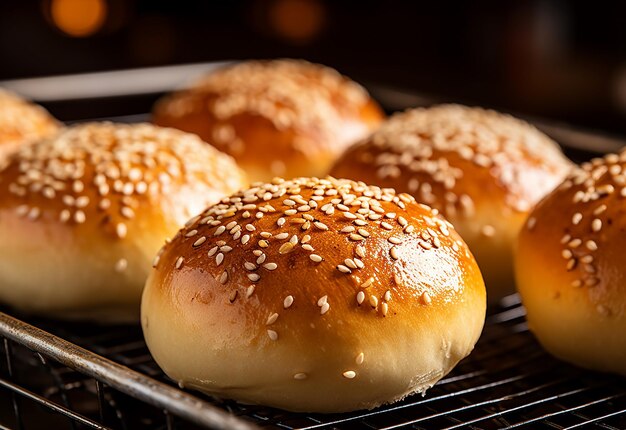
pixel 20 119
pixel 102 172
pixel 423 146
pixel 592 188
pixel 287 220
pixel 291 94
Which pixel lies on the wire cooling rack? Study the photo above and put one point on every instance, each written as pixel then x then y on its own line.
pixel 507 382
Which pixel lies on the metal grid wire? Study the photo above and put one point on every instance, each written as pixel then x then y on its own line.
pixel 507 382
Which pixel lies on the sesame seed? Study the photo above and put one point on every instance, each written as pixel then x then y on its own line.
pixel 224 278
pixel 373 301
pixel 212 251
pixel 179 262
pixel 320 225
pixel 270 266
pixel 316 258
pixel 596 225
pixel 288 302
pixel 367 283
pixel 156 260
pixel 299 376
pixel 567 254
pixel 121 265
pixel 349 374
pixel 387 296
pixel 577 283
pixel 384 308
pixel 348 229
pixel 308 247
pixel 386 225
pixel 576 218
pixel 322 300
pixel 356 237
pixel 324 308
pixel 254 277
pixel 349 215
pixel 488 230
pixel 360 358
pixel 272 335
pixel 426 298
pixel 271 319
pixel 249 266
pixel 363 232
pixel 350 263
pixel 591 245
pixel 360 297
pixel 245 239
pixel 249 291
pixel 282 236
pixel 574 243
pixel 219 258
pixel 280 222
pixel 286 248
pixel 200 241
pixel 79 217
pixel 261 258
pixel 343 269
pixel 394 252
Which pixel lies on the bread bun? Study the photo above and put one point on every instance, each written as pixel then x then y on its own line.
pixel 83 213
pixel 22 121
pixel 316 295
pixel 277 118
pixel 570 267
pixel 483 170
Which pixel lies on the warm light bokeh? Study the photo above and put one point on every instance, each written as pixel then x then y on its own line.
pixel 78 18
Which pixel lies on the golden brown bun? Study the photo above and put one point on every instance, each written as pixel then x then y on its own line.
pixel 571 270
pixel 483 170
pixel 314 294
pixel 82 214
pixel 277 118
pixel 22 121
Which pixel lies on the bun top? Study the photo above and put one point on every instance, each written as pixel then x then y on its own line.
pixel 580 226
pixel 326 245
pixel 277 118
pixel 22 120
pixel 108 174
pixel 292 94
pixel 427 151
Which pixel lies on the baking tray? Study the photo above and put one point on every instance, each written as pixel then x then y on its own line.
pixel 62 375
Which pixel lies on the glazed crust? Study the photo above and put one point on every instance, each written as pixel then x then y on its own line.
pixel 483 170
pixel 324 315
pixel 22 121
pixel 570 267
pixel 277 118
pixel 89 208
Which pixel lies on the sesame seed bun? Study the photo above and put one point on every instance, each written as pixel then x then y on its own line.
pixel 82 214
pixel 570 267
pixel 22 121
pixel 483 170
pixel 314 295
pixel 277 118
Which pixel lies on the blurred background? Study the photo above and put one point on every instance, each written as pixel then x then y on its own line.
pixel 557 59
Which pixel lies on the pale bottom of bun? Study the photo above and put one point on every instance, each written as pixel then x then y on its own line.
pixel 48 279
pixel 221 359
pixel 566 324
pixel 492 241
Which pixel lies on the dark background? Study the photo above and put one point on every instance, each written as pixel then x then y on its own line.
pixel 563 60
